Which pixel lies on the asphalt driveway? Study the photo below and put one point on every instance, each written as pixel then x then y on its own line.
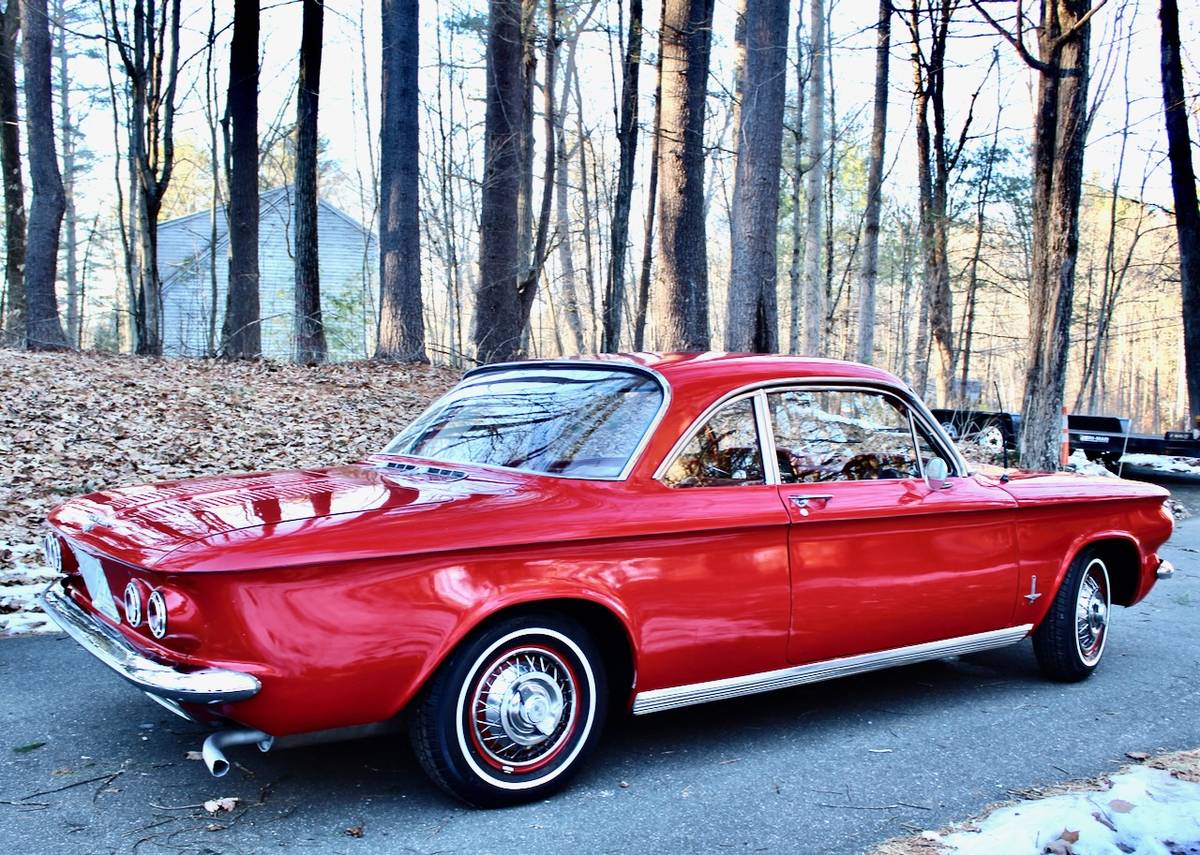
pixel 89 765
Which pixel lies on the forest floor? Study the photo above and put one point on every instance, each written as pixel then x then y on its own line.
pixel 73 423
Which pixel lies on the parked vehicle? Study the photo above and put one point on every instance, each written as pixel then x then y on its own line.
pixel 554 542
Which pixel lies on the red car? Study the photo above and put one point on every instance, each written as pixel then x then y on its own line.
pixel 554 541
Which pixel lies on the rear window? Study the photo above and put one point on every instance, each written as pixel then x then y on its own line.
pixel 584 422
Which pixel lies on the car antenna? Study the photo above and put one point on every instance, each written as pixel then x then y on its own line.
pixel 1003 439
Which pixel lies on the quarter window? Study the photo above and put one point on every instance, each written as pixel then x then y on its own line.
pixel 725 452
pixel 842 435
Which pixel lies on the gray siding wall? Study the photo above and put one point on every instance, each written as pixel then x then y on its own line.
pixel 347 297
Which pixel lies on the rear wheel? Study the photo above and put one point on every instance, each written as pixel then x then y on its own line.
pixel 513 713
pixel 1071 639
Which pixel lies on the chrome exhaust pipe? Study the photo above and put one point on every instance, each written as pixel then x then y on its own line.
pixel 213 750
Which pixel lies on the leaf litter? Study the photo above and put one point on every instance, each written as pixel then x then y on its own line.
pixel 73 423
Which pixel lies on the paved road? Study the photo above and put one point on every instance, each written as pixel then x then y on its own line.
pixel 828 768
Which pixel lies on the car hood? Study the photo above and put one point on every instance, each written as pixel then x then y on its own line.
pixel 140 525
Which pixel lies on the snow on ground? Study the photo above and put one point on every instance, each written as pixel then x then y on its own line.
pixel 1144 810
pixel 1152 808
pixel 1163 463
pixel 1079 463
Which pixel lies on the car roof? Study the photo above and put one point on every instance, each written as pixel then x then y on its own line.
pixel 721 372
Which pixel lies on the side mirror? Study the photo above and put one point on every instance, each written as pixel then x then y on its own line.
pixel 937 474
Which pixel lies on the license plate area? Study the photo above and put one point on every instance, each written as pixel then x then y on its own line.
pixel 97 584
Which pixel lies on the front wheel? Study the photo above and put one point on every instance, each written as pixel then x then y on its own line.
pixel 1071 639
pixel 513 712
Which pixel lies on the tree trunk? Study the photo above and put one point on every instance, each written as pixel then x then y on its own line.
pixel 1060 131
pixel 870 259
pixel 43 329
pixel 309 329
pixel 814 200
pixel 401 321
pixel 627 134
pixel 1183 184
pixel 497 328
pixel 753 316
pixel 643 295
pixel 528 283
pixel 681 299
pixel 797 177
pixel 14 183
pixel 241 334
pixel 70 220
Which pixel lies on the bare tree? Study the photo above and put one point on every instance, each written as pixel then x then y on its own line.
pixel 1183 185
pixel 43 329
pixel 681 299
pixel 814 285
pixel 643 294
pixel 497 328
pixel 870 258
pixel 1059 135
pixel 627 134
pixel 309 329
pixel 69 169
pixel 14 183
pixel 753 320
pixel 241 335
pixel 151 62
pixel 401 324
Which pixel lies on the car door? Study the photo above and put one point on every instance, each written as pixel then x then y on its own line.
pixel 882 558
pixel 724 603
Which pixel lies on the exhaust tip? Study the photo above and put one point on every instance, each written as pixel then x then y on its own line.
pixel 218 768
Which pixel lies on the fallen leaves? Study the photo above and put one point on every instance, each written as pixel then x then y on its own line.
pixel 28 747
pixel 75 423
pixel 355 831
pixel 223 805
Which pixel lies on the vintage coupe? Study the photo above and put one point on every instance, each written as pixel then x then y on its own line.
pixel 553 541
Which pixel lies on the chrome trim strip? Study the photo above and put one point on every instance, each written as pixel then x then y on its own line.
pixel 632 367
pixel 203 686
pixel 658 700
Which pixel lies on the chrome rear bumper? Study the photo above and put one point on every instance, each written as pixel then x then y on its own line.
pixel 1165 569
pixel 203 686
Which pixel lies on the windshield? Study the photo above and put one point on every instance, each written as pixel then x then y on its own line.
pixel 583 422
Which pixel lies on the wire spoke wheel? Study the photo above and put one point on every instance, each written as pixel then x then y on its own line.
pixel 523 708
pixel 1092 605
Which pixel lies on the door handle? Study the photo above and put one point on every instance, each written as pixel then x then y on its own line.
pixel 802 500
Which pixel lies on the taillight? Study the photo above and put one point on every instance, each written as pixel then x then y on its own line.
pixel 156 614
pixel 133 604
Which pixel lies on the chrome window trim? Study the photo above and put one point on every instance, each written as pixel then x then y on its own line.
pixel 906 397
pixel 631 367
pixel 657 700
pixel 761 428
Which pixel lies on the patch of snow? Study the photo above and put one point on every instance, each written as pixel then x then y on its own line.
pixel 1142 810
pixel 19 587
pixel 1078 462
pixel 1163 463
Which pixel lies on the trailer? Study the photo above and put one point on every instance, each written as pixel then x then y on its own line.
pixel 1105 439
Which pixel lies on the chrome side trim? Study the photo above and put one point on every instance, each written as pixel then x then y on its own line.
pixel 658 700
pixel 203 686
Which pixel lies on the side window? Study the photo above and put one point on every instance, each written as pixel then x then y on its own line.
pixel 725 452
pixel 841 435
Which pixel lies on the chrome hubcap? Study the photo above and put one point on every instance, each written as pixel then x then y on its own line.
pixel 1091 613
pixel 523 707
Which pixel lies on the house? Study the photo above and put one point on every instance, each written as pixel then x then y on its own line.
pixel 349 273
